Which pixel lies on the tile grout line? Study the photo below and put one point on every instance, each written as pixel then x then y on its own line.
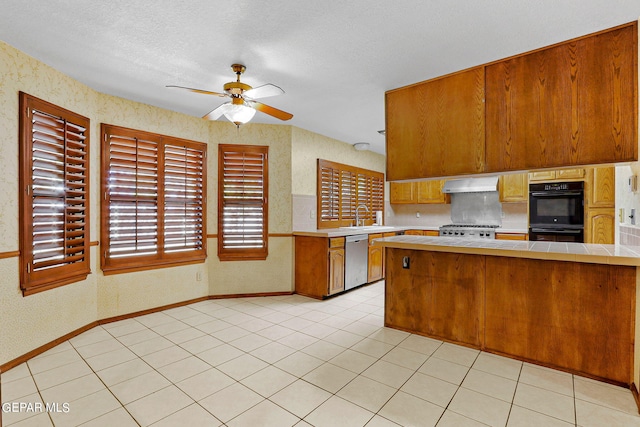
pixel 107 387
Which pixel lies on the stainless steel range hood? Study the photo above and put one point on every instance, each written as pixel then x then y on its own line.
pixel 471 185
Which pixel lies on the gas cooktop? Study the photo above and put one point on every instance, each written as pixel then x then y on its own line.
pixel 469 231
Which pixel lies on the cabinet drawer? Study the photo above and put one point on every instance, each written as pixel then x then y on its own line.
pixel 374 236
pixel 336 242
pixel 512 236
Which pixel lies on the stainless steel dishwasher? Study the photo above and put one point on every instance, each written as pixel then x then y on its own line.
pixel 356 259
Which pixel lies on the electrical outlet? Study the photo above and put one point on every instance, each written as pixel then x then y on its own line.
pixel 199 276
pixel 406 262
pixel 417 214
pixel 312 214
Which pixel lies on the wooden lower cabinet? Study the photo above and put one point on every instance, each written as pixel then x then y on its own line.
pixel 421 298
pixel 414 233
pixel 600 225
pixel 336 270
pixel 374 267
pixel 512 236
pixel 577 317
pixel 320 263
pixel 573 316
pixel 319 266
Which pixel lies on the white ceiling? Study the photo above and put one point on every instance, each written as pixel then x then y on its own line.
pixel 334 58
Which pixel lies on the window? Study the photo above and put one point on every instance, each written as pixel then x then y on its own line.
pixel 243 188
pixel 342 188
pixel 154 200
pixel 54 196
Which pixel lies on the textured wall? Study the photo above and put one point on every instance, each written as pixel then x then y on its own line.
pixel 29 322
pixel 307 147
pixel 275 273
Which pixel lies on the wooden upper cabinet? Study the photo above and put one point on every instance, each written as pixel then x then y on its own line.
pixel 436 128
pixel 570 173
pixel 402 192
pixel 514 188
pixel 423 192
pixel 601 187
pixel 430 192
pixel 571 104
pixel 562 175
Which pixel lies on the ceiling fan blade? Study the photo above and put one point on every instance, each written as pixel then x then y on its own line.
pixel 263 91
pixel 217 112
pixel 278 114
pixel 205 92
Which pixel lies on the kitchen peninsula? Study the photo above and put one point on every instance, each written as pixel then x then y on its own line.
pixel 570 306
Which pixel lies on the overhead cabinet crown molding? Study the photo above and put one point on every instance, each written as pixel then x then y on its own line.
pixel 573 103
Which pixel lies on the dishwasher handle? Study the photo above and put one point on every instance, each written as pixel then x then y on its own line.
pixel 356 238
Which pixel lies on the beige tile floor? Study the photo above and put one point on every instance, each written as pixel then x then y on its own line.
pixel 290 360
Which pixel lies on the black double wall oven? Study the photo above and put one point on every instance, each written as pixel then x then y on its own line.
pixel 556 211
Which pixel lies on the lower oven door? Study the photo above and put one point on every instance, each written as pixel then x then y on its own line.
pixel 557 234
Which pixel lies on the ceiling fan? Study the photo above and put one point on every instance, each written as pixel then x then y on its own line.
pixel 243 104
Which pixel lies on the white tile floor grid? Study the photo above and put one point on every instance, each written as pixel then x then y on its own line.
pixel 289 360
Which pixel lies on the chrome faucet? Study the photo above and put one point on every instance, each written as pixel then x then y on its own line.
pixel 361 205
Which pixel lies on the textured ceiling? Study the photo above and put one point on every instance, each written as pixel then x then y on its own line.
pixel 334 59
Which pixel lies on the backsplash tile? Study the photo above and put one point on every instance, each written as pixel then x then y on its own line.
pixel 629 235
pixel 304 212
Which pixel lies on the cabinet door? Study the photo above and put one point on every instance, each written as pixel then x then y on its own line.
pixel 430 192
pixel 402 192
pixel 512 236
pixel 542 176
pixel 570 173
pixel 375 263
pixel 407 303
pixel 457 295
pixel 336 270
pixel 602 191
pixel 541 111
pixel 436 128
pixel 514 188
pixel 600 226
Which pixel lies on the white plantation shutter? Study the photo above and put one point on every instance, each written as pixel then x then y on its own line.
pixel 342 188
pixel 153 211
pixel 242 202
pixel 55 208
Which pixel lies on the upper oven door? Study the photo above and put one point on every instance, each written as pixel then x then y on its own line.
pixel 556 204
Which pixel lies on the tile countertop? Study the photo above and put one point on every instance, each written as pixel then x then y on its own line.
pixel 348 231
pixel 558 251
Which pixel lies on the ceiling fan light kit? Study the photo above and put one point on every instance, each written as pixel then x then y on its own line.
pixel 239 113
pixel 243 106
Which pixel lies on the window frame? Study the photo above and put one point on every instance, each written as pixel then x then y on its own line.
pixel 243 254
pixel 163 257
pixel 76 174
pixel 355 186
